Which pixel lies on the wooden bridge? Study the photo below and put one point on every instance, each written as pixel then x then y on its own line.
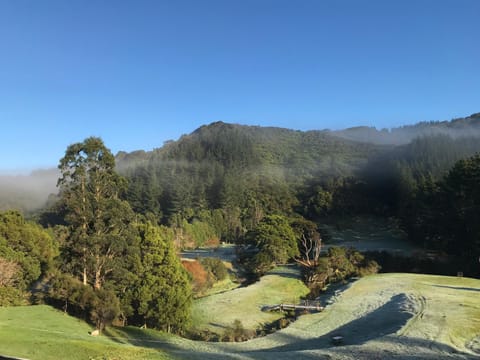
pixel 307 306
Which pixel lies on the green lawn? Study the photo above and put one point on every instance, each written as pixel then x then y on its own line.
pixel 41 332
pixel 215 312
pixel 401 316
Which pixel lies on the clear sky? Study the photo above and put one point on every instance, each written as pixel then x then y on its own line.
pixel 140 72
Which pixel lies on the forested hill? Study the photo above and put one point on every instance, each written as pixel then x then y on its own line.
pixel 239 146
pixel 249 171
pixel 224 165
pixel 233 166
pixel 456 128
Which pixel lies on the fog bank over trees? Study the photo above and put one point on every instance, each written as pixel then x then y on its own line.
pixel 456 128
pixel 217 152
pixel 27 192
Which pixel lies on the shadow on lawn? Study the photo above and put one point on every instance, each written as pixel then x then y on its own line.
pixel 390 347
pixel 135 336
pixel 457 288
pixel 387 319
pixel 379 325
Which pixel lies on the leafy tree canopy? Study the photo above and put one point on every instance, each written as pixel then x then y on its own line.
pixel 275 240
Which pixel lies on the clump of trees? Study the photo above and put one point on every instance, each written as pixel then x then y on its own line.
pixel 278 240
pixel 114 265
pixel 341 263
pixel 275 242
pixel 99 261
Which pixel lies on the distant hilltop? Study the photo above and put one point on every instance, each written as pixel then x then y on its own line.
pixel 468 126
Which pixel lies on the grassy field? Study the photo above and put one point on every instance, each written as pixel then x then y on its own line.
pixel 387 316
pixel 401 316
pixel 41 332
pixel 216 312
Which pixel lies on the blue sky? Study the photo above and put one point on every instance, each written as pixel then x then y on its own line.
pixel 139 72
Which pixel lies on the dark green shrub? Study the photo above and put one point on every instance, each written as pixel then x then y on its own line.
pixel 237 332
pixel 216 267
pixel 10 296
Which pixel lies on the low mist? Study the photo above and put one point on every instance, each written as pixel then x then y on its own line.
pixel 457 128
pixel 27 193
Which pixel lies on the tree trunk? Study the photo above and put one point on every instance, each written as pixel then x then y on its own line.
pixel 98 280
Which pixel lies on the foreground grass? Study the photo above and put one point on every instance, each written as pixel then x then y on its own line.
pixel 219 311
pixel 400 316
pixel 41 332
pixel 444 314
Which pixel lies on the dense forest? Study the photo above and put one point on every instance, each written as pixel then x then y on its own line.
pixel 230 176
pixel 105 246
pixel 223 179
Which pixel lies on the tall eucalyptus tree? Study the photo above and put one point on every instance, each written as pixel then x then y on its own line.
pixel 99 221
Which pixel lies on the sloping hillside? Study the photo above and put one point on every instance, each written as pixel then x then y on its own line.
pixel 400 316
pixel 43 333
pixel 389 316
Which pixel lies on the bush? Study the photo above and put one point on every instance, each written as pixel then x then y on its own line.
pixel 203 335
pixel 237 332
pixel 10 296
pixel 340 264
pixel 70 295
pixel 201 280
pixel 98 306
pixel 105 308
pixel 216 267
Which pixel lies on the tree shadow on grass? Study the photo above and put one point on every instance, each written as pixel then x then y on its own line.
pixel 379 325
pixel 457 288
pixel 389 347
pixel 387 319
pixel 135 336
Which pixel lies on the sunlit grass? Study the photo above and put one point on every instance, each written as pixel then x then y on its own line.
pixel 41 332
pixel 216 312
pixel 446 311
